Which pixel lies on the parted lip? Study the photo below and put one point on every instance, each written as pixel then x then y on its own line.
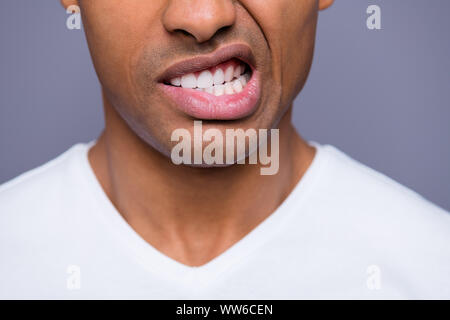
pixel 238 51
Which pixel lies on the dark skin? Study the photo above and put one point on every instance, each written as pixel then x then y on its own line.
pixel 193 214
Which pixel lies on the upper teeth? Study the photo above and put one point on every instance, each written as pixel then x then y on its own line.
pixel 218 82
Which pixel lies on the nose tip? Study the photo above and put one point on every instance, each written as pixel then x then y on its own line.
pixel 201 19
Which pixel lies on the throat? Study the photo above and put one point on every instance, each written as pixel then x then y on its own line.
pixel 189 214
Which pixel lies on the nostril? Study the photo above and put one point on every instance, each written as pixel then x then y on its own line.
pixel 224 29
pixel 200 19
pixel 183 32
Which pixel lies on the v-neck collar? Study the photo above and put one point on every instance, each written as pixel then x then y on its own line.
pixel 164 266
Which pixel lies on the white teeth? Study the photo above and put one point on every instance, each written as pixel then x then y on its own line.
pixel 219 77
pixel 237 72
pixel 176 82
pixel 228 82
pixel 189 81
pixel 229 73
pixel 237 86
pixel 219 90
pixel 205 79
pixel 243 80
pixel 229 88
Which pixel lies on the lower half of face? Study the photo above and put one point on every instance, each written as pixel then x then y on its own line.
pixel 161 79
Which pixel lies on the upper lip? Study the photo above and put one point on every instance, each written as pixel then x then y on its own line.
pixel 239 51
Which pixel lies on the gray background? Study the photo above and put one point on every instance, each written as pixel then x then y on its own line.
pixel 381 96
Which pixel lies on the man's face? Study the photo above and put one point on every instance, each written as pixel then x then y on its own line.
pixel 232 63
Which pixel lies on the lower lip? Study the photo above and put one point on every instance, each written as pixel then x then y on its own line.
pixel 202 105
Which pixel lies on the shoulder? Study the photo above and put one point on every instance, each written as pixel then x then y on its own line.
pixel 355 185
pixel 41 188
pixel 42 221
pixel 385 223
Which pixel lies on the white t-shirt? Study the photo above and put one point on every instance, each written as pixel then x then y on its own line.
pixel 344 232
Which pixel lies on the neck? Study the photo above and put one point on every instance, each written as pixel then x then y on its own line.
pixel 191 214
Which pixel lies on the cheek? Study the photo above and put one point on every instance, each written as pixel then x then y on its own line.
pixel 105 40
pixel 298 49
pixel 289 27
pixel 116 32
